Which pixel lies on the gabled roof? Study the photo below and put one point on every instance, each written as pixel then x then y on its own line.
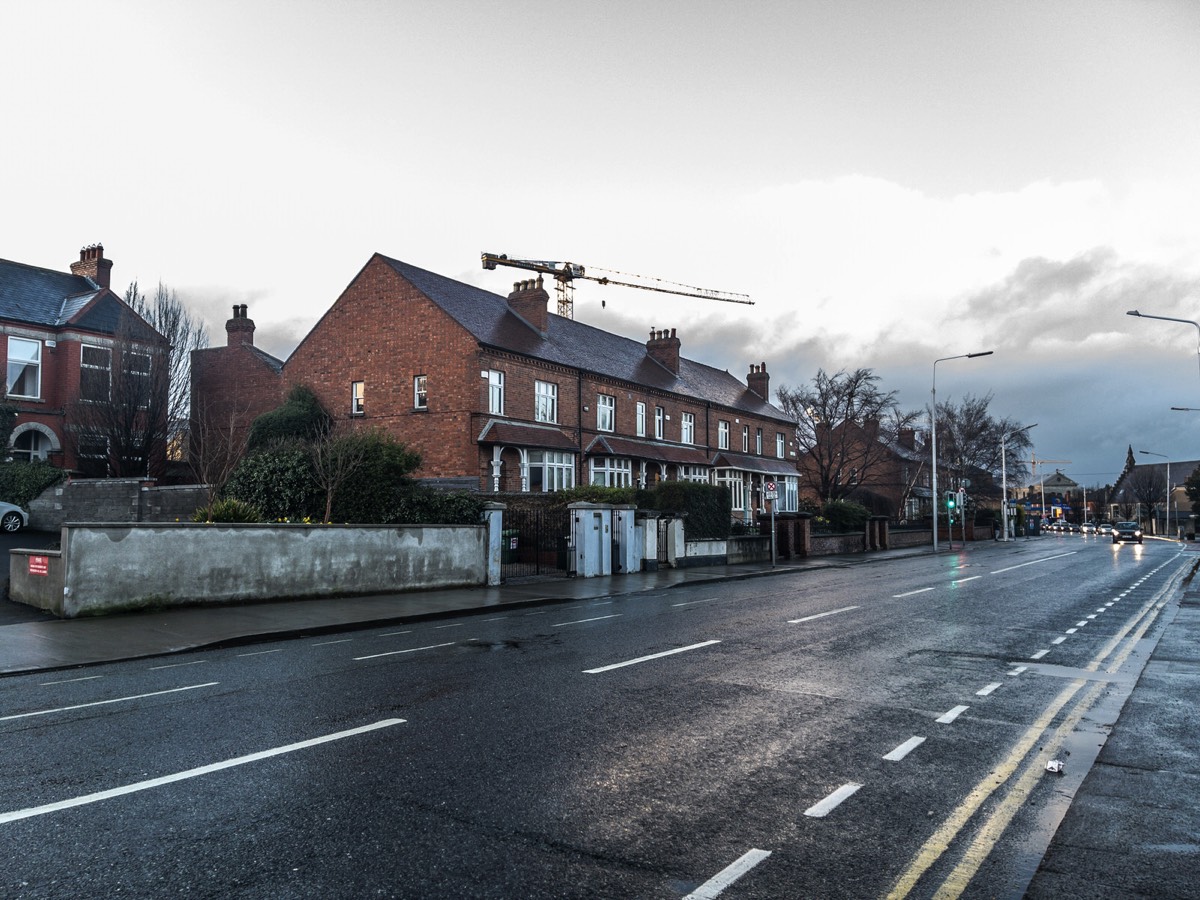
pixel 56 300
pixel 491 321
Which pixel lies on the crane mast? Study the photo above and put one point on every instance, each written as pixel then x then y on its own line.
pixel 565 273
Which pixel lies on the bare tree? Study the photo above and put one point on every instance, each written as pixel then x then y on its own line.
pixel 184 333
pixel 1145 486
pixel 970 439
pixel 218 442
pixel 336 455
pixel 845 427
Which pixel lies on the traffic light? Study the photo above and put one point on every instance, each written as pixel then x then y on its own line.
pixel 951 504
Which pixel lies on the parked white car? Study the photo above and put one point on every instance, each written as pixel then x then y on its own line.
pixel 12 517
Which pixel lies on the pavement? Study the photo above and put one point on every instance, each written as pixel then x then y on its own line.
pixel 1132 828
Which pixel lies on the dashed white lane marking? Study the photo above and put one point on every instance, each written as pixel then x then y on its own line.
pixel 581 621
pixel 965 580
pixel 409 631
pixel 693 602
pixel 190 773
pixel 910 593
pixel 952 714
pixel 1059 639
pixel 327 643
pixel 904 749
pixel 179 665
pixel 1081 624
pixel 259 653
pixel 642 659
pixel 398 652
pixel 727 876
pixel 1101 609
pixel 1033 562
pixel 1092 616
pixel 455 625
pixel 1072 630
pixel 46 712
pixel 830 803
pixel 1018 670
pixel 70 680
pixel 832 612
pixel 1039 654
pixel 983 692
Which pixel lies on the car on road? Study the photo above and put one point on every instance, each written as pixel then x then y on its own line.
pixel 12 517
pixel 1104 528
pixel 1127 531
pixel 1089 527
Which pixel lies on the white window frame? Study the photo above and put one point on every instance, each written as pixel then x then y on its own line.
pixel 357 399
pixel 556 470
pixel 545 402
pixel 736 484
pixel 698 474
pixel 24 363
pixel 780 445
pixel 421 392
pixel 745 438
pixel 722 435
pixel 687 428
pixel 641 419
pixel 143 394
pixel 789 494
pixel 495 392
pixel 660 418
pixel 611 471
pixel 758 441
pixel 606 412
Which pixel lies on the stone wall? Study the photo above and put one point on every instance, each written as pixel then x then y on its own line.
pixel 113 500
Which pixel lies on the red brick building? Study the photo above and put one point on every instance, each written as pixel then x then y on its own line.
pixel 499 394
pixel 68 339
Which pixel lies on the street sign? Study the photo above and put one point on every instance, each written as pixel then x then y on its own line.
pixel 770 492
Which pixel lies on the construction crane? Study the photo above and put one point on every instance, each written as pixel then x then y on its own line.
pixel 565 273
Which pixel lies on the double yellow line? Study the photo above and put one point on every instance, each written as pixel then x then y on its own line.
pixel 1021 763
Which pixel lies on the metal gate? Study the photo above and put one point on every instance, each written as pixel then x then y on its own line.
pixel 535 541
pixel 664 529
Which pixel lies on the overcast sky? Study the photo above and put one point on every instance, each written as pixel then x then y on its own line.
pixel 891 182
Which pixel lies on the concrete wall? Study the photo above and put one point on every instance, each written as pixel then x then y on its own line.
pixel 115 567
pixel 37 577
pixel 749 548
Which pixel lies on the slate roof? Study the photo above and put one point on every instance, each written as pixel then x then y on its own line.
pixel 56 300
pixel 492 322
pixel 669 453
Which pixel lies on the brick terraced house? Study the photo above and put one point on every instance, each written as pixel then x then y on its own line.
pixel 71 345
pixel 499 394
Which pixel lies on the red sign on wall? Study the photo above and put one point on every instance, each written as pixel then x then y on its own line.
pixel 39 565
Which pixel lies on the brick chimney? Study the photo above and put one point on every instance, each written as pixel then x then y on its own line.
pixel 240 329
pixel 759 381
pixel 93 265
pixel 907 438
pixel 664 347
pixel 528 300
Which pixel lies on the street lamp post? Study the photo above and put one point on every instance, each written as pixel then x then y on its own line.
pixel 1150 453
pixel 933 434
pixel 1142 315
pixel 1004 475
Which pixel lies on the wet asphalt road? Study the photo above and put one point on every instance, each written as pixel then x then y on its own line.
pixel 837 733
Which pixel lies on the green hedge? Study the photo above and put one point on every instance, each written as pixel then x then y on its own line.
pixel 707 508
pixel 21 482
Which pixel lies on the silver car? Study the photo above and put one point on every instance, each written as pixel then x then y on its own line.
pixel 12 517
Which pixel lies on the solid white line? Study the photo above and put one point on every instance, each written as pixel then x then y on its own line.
pixel 1039 654
pixel 910 593
pixel 46 712
pixel 398 652
pixel 642 659
pixel 727 876
pixel 952 714
pixel 1034 562
pixel 832 612
pixel 830 803
pixel 904 749
pixel 983 692
pixel 190 773
pixel 260 652
pixel 1059 639
pixel 581 621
